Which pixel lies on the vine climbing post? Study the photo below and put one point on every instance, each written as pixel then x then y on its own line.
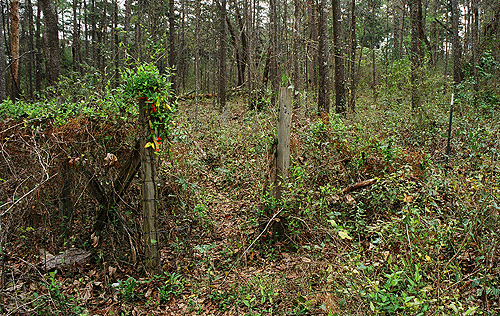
pixel 149 206
pixel 156 111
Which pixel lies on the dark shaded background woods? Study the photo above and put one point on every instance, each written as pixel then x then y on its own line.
pixel 321 46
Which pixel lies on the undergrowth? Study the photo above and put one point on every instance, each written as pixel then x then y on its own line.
pixel 420 238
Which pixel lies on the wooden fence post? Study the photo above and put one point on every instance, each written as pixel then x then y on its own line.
pixel 284 122
pixel 149 206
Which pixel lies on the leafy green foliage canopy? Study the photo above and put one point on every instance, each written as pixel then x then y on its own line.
pixel 149 84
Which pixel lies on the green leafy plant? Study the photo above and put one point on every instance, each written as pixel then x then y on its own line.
pixel 56 302
pixel 173 287
pixel 127 289
pixel 149 84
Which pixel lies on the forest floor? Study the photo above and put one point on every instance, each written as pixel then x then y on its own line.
pixel 413 241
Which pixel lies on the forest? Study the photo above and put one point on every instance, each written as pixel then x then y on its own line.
pixel 249 157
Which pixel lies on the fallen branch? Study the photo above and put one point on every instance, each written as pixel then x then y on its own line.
pixel 108 200
pixel 359 185
pixel 69 257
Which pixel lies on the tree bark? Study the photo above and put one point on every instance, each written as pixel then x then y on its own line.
pixel 101 40
pixel 456 45
pixel 416 52
pixel 14 47
pixel 3 63
pixel 116 51
pixel 352 60
pixel 93 27
pixel 340 106
pixel 76 38
pixel 86 52
pixel 197 59
pixel 295 50
pixel 273 49
pixel 312 48
pixel 475 47
pixel 372 48
pixel 323 85
pixel 31 46
pixel 53 65
pixel 183 64
pixel 244 43
pixel 237 53
pixel 138 31
pixel 126 29
pixel 249 18
pixel 39 49
pixel 222 58
pixel 172 55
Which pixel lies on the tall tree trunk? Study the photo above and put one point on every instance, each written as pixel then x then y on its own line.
pixel 39 48
pixel 3 63
pixel 93 23
pixel 197 59
pixel 456 45
pixel 372 48
pixel 416 52
pixel 31 46
pixel 312 51
pixel 101 40
pixel 138 31
pixel 222 57
pixel 172 56
pixel 53 65
pixel 237 53
pixel 323 82
pixel 340 106
pixel 76 38
pixel 116 52
pixel 273 51
pixel 244 43
pixel 86 31
pixel 403 27
pixel 14 47
pixel 352 58
pixel 396 53
pixel 295 50
pixel 126 28
pixel 249 19
pixel 435 41
pixel 475 47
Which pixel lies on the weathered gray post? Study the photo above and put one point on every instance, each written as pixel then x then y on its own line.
pixel 283 159
pixel 448 145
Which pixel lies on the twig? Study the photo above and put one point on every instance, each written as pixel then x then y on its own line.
pixel 23 122
pixel 16 59
pixel 37 151
pixel 458 251
pixel 25 195
pixel 250 246
pixel 25 304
